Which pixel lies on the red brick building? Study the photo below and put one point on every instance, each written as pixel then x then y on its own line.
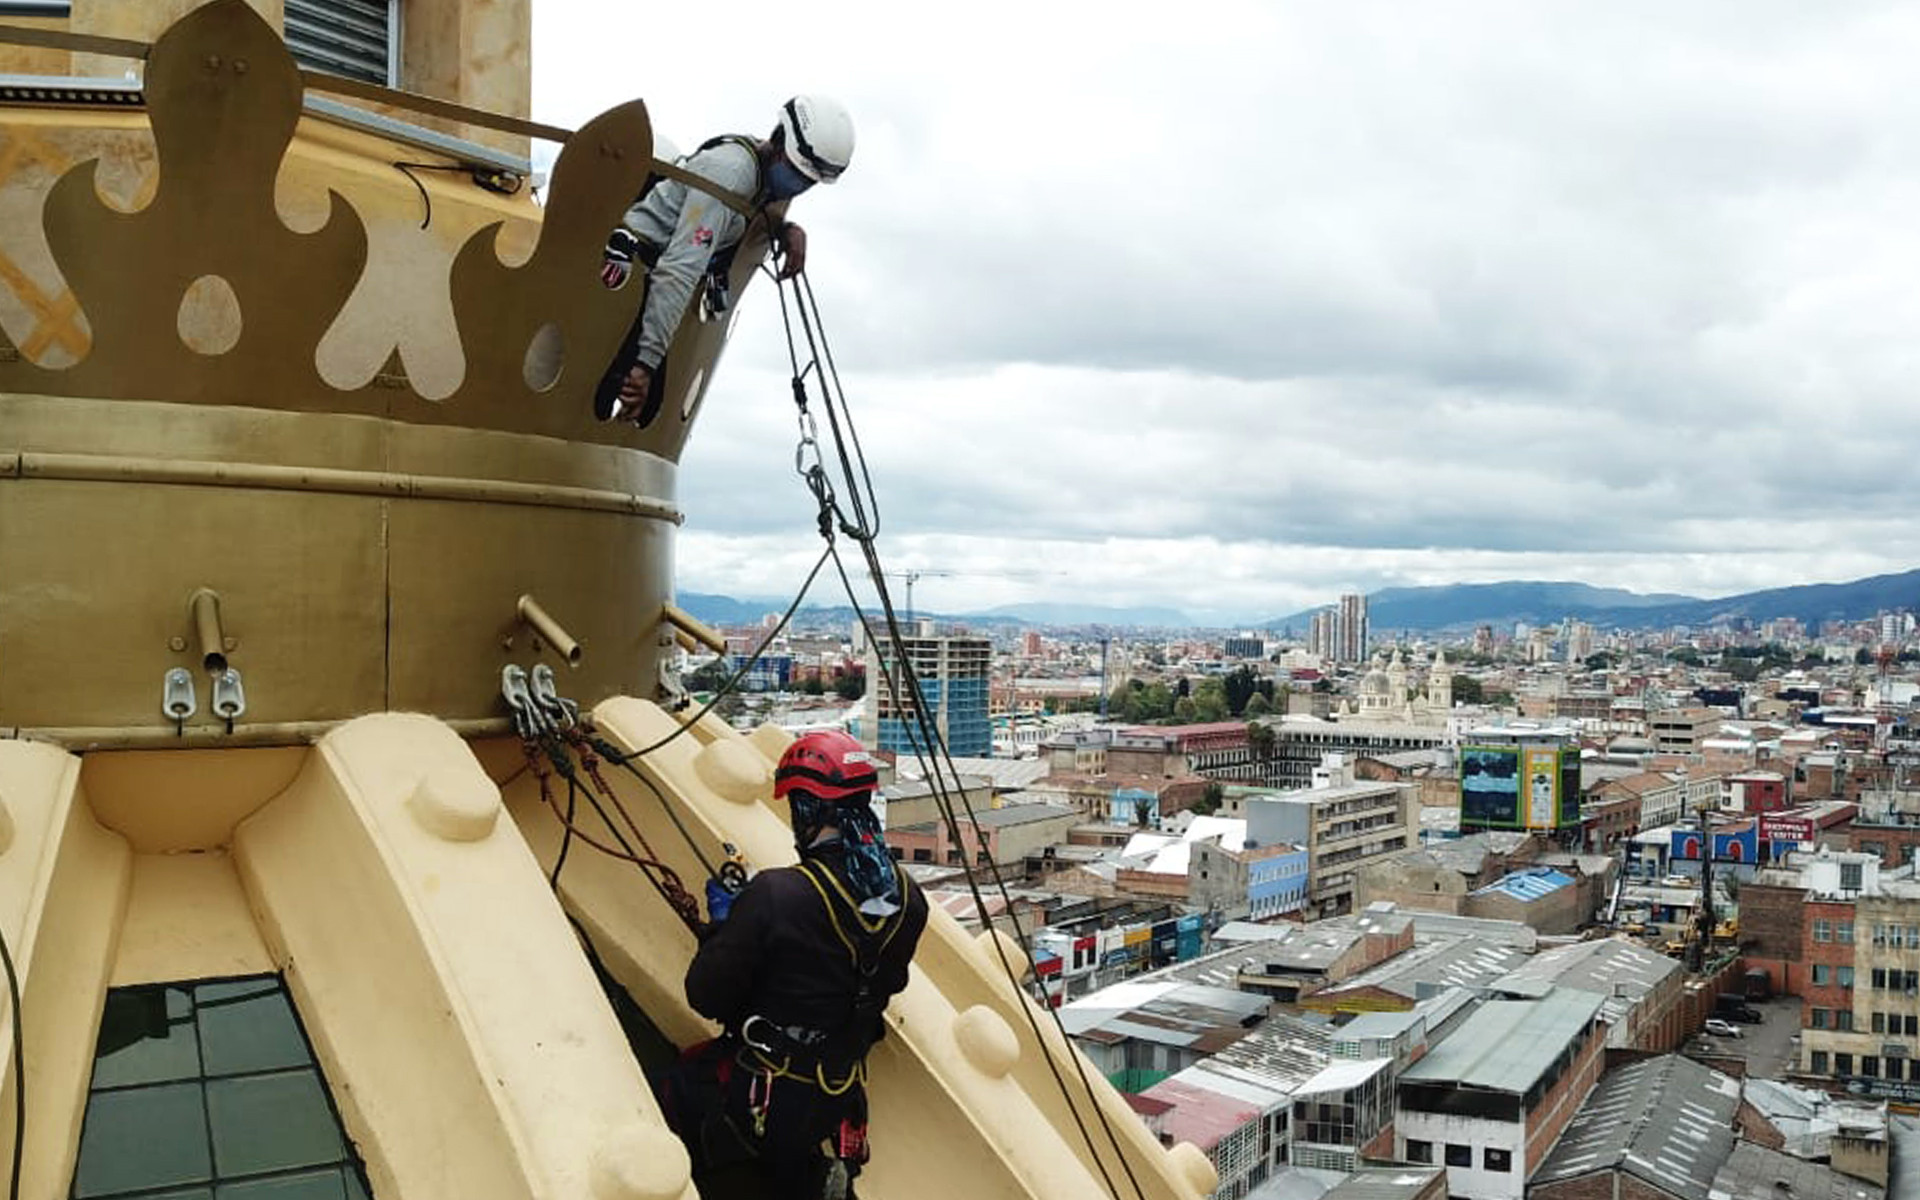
pixel 1827 995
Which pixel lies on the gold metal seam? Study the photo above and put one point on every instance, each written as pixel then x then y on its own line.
pixel 102 468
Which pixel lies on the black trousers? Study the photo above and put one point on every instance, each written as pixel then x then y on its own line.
pixel 710 1097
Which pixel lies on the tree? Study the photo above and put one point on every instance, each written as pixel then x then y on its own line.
pixel 1687 655
pixel 1240 686
pixel 1467 690
pixel 851 685
pixel 1210 701
pixel 1210 800
pixel 1184 710
pixel 710 676
pixel 811 686
pixel 1260 739
pixel 1258 706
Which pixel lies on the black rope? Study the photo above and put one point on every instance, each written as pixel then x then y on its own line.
pixel 732 682
pixel 566 837
pixel 863 531
pixel 19 1070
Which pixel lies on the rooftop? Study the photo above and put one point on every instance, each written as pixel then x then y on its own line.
pixel 1301 948
pixel 1754 1170
pixel 1534 883
pixel 1432 966
pixel 1284 1052
pixel 1005 774
pixel 1392 1183
pixel 1807 1119
pixel 1667 1120
pixel 1207 1105
pixel 1168 1012
pixel 1620 971
pixel 1507 1045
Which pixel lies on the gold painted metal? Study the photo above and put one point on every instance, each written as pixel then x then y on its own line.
pixel 62 39
pixel 528 609
pixel 376 538
pixel 84 739
pixel 204 605
pixel 107 468
pixel 693 627
pixel 222 133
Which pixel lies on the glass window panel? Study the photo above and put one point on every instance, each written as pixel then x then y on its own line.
pixel 272 1123
pixel 146 1036
pixel 248 1026
pixel 149 1137
pixel 330 1184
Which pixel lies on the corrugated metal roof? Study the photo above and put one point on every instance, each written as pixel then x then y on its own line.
pixel 1534 884
pixel 1394 1183
pixel 1508 1044
pixel 1666 1120
pixel 1448 962
pixel 1620 971
pixel 1166 1011
pixel 1753 1172
pixel 1342 1074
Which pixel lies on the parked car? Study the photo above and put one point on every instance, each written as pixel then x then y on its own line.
pixel 1720 1028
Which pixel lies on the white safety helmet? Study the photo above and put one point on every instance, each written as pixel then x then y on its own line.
pixel 817 134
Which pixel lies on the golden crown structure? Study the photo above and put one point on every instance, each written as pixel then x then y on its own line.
pixel 345 393
pixel 297 468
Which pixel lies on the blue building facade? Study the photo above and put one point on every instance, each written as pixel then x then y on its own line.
pixel 1277 884
pixel 953 674
pixel 1126 805
pixel 772 673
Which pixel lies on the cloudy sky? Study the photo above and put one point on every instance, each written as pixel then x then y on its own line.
pixel 1233 307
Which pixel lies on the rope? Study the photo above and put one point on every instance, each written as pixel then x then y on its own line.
pixel 664 878
pixel 862 531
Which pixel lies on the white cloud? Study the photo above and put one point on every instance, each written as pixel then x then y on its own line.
pixel 1237 306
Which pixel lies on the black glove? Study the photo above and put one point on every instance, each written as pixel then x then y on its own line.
pixel 622 247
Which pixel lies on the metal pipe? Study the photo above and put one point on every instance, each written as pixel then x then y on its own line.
pixel 80 739
pixel 549 629
pixel 110 468
pixel 693 627
pixel 204 607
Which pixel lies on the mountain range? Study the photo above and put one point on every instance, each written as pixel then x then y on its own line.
pixel 1459 606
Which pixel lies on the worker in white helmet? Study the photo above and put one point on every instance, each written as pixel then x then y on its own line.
pixel 675 232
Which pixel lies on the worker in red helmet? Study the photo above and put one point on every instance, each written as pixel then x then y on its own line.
pixel 798 969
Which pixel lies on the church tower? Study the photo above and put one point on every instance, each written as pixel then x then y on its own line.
pixel 1440 684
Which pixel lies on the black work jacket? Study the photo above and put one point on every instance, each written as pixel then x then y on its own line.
pixel 781 955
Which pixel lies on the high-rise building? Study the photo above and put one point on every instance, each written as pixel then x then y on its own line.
pixel 1353 628
pixel 953 674
pixel 1321 642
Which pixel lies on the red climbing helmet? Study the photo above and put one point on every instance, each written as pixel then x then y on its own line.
pixel 828 765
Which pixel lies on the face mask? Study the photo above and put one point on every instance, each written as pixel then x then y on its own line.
pixel 784 181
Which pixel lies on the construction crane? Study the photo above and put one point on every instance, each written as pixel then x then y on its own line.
pixel 913 575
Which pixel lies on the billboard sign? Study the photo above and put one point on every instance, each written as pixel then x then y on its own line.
pixel 1490 787
pixel 1729 845
pixel 1787 829
pixel 1543 788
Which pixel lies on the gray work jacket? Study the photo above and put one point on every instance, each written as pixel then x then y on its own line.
pixel 689 226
